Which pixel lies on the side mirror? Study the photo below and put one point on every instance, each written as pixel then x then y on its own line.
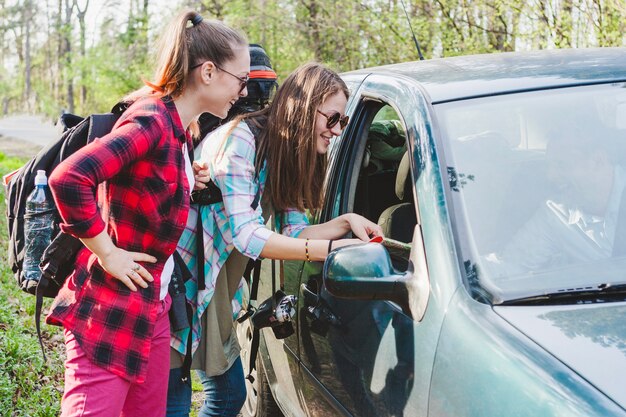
pixel 365 272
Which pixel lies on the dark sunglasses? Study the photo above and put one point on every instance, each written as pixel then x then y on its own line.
pixel 334 118
pixel 242 80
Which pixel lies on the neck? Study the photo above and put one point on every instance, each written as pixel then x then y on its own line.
pixel 187 109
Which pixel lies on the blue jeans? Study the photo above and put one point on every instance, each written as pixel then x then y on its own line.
pixel 224 394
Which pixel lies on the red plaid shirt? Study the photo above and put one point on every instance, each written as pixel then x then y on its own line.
pixel 143 203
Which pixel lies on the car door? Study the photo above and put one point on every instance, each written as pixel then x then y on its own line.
pixel 280 356
pixel 369 358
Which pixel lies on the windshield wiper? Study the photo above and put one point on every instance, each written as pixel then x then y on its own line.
pixel 578 295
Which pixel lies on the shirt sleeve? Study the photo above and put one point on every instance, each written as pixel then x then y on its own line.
pixel 74 181
pixel 291 222
pixel 232 170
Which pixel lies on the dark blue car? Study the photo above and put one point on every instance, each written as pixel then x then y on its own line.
pixel 501 287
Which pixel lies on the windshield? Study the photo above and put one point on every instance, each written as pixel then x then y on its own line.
pixel 537 184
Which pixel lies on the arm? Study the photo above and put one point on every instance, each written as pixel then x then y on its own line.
pixel 319 245
pixel 294 249
pixel 74 181
pixel 231 166
pixel 339 226
pixel 232 169
pixel 119 263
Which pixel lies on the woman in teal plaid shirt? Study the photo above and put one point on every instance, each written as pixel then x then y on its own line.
pixel 276 156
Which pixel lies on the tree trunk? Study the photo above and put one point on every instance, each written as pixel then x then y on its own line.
pixel 312 23
pixel 83 53
pixel 49 71
pixel 67 53
pixel 27 16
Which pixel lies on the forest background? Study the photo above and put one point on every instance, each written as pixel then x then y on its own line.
pixel 82 56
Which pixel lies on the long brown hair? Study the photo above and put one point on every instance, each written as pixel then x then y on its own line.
pixel 188 40
pixel 287 141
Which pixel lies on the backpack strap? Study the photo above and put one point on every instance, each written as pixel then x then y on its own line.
pixel 101 124
pixel 186 369
pixel 252 275
pixel 61 251
pixel 41 286
pixel 254 267
pixel 211 195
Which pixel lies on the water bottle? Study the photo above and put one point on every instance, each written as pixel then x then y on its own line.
pixel 38 230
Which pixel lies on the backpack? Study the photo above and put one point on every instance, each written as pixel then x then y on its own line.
pixel 58 258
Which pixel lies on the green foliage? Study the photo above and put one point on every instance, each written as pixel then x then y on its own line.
pixel 9 163
pixel 345 35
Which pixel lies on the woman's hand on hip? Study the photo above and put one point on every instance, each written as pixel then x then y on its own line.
pixel 124 266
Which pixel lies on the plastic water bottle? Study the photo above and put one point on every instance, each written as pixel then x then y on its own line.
pixel 38 229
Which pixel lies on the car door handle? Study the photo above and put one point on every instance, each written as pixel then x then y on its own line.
pixel 316 309
pixel 311 299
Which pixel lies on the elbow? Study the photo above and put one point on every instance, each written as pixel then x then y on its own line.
pixel 54 179
pixel 253 244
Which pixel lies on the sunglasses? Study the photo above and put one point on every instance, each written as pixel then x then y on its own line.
pixel 334 118
pixel 243 81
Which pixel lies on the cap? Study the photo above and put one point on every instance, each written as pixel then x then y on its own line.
pixel 41 178
pixel 259 61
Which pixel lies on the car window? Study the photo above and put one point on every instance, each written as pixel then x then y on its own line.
pixel 384 189
pixel 537 184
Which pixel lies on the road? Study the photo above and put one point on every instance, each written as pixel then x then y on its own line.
pixel 29 128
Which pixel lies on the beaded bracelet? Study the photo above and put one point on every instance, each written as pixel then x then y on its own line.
pixel 306 250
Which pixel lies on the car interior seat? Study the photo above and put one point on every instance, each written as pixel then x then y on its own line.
pixel 386 143
pixel 399 220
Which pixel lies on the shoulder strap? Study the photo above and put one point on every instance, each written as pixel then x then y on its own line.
pixel 255 128
pixel 101 124
pixel 61 251
pixel 211 195
pixel 255 267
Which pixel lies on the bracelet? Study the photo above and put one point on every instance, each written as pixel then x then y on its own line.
pixel 330 245
pixel 306 250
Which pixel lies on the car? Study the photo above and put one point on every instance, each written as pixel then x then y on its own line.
pixel 495 292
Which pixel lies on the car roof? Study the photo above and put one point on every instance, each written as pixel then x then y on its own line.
pixel 462 77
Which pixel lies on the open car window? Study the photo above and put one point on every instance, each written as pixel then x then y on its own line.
pixel 383 192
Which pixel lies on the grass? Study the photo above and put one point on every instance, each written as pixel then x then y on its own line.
pixel 9 163
pixel 28 386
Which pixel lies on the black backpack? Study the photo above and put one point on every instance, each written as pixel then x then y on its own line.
pixel 58 259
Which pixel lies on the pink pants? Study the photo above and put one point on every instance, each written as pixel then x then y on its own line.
pixel 94 391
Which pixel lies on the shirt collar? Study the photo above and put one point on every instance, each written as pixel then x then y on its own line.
pixel 177 124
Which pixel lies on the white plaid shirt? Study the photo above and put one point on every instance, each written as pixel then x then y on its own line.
pixel 230 224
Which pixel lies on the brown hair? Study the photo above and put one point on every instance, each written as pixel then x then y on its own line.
pixel 188 40
pixel 295 171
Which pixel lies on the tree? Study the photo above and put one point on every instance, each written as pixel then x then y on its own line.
pixel 80 14
pixel 48 61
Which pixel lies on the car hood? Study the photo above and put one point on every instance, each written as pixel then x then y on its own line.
pixel 590 339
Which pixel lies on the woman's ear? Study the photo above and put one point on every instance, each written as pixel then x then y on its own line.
pixel 207 72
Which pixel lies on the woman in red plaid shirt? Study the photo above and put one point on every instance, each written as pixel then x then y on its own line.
pixel 126 196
